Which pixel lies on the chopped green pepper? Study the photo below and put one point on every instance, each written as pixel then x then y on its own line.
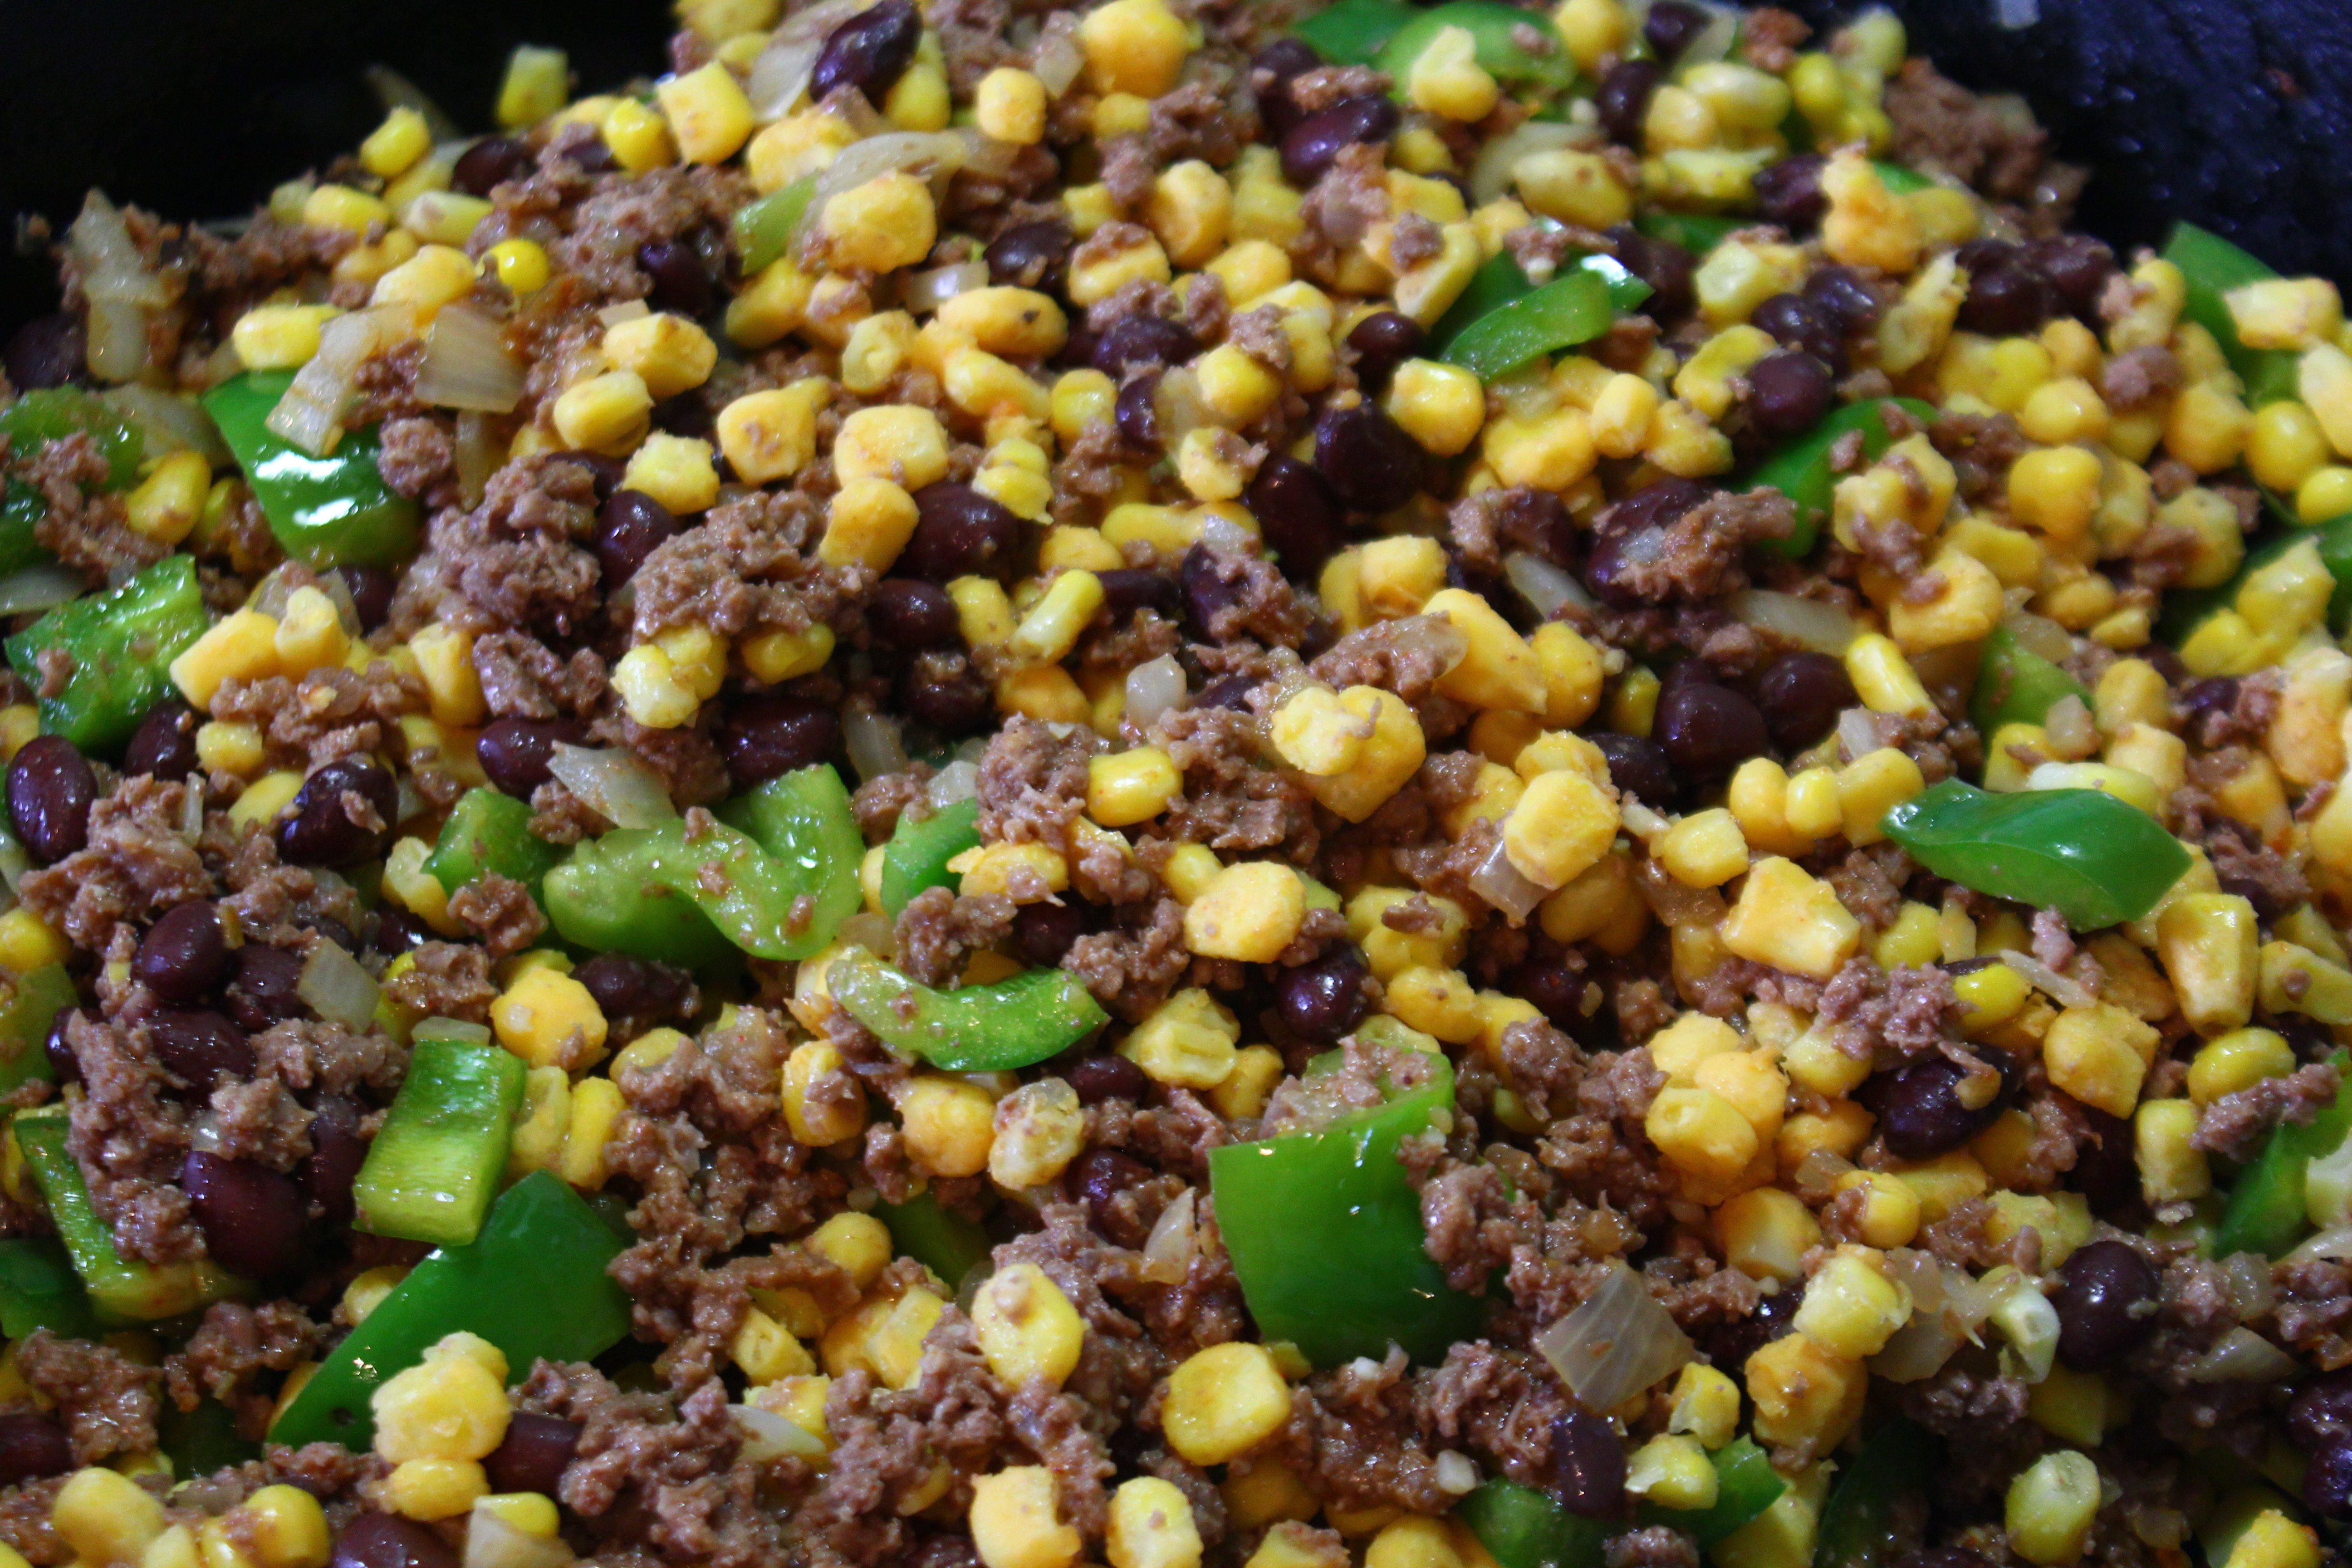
pixel 2266 1212
pixel 2211 266
pixel 2185 609
pixel 766 228
pixel 1325 1231
pixel 1493 26
pixel 1801 470
pixel 1571 309
pixel 1697 233
pixel 2016 685
pixel 39 1290
pixel 947 1244
pixel 534 1283
pixel 2092 857
pixel 123 1291
pixel 488 831
pixel 919 852
pixel 34 1001
pixel 121 643
pixel 1354 32
pixel 1746 1484
pixel 1015 1022
pixel 1499 282
pixel 202 1440
pixel 31 423
pixel 1900 178
pixel 1860 1523
pixel 805 822
pixel 334 511
pixel 1522 1528
pixel 432 1170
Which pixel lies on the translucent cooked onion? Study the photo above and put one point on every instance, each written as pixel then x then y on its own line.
pixel 2057 987
pixel 395 90
pixel 1490 176
pixel 925 154
pixel 37 588
pixel 492 1542
pixel 1168 1251
pixel 2243 1356
pixel 169 424
pixel 1455 1472
pixel 1857 731
pixel 1500 882
pixel 1219 530
pixel 120 287
pixel 768 1436
pixel 467 364
pixel 1808 622
pixel 2039 634
pixel 1153 688
pixel 116 338
pixel 1917 1350
pixel 310 414
pixel 872 931
pixel 336 987
pixel 959 781
pixel 872 740
pixel 2333 1244
pixel 1543 585
pixel 1056 60
pixel 1619 1343
pixel 613 784
pixel 928 291
pixel 780 73
pixel 479 454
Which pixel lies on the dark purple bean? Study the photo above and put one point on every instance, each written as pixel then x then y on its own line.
pixel 1136 412
pixel 389 1541
pixel 1044 932
pixel 534 1455
pixel 1100 1177
pixel 767 736
pixel 1671 26
pixel 1729 1344
pixel 1368 459
pixel 1310 147
pixel 2078 268
pixel 1097 1078
pixel 1588 1464
pixel 1322 1001
pixel 516 752
pixel 2327 1481
pixel 2107 1168
pixel 165 744
pixel 330 825
pixel 1789 194
pixel 1556 990
pixel 58 1046
pixel 605 473
pixel 251 1216
pixel 681 282
pixel 337 1152
pixel 264 987
pixel 2205 701
pixel 940 690
pixel 1839 294
pixel 1622 98
pixel 1641 766
pixel 1708 729
pixel 2321 1412
pixel 31 1447
pixel 397 932
pixel 1227 691
pixel 371 588
pixel 1077 350
pixel 1127 589
pixel 1802 695
pixel 628 527
pixel 2106 1300
pixel 1795 323
pixel 1921 1113
pixel 1618 538
pixel 639 988
pixel 1148 341
pixel 1272 70
pixel 199 1047
pixel 45 351
pixel 960 533
pixel 2005 301
pixel 1383 341
pixel 1031 255
pixel 907 614
pixel 183 955
pixel 50 791
pixel 1665 267
pixel 491 162
pixel 1299 513
pixel 1788 394
pixel 869 52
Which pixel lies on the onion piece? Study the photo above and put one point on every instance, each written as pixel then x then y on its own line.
pixel 2066 993
pixel 38 588
pixel 1619 1343
pixel 1917 1350
pixel 613 784
pixel 1500 883
pixel 479 454
pixel 870 930
pixel 925 154
pixel 2333 1244
pixel 928 291
pixel 1543 585
pixel 1857 732
pixel 395 90
pixel 2040 634
pixel 2242 1355
pixel 1168 1251
pixel 467 364
pixel 1153 688
pixel 492 1542
pixel 169 424
pixel 120 288
pixel 458 1029
pixel 786 62
pixel 768 1436
pixel 1220 532
pixel 1490 176
pixel 1455 1472
pixel 310 414
pixel 956 782
pixel 872 740
pixel 1808 622
pixel 1056 61
pixel 336 987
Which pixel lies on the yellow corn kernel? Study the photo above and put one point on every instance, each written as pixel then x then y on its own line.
pixel 1554 451
pixel 549 1020
pixel 280 337
pixel 1152 1525
pixel 1561 826
pixel 1672 1471
pixel 2050 1507
pixel 1851 1307
pixel 1131 786
pixel 2172 1169
pixel 340 207
pixel 1246 1089
pixel 765 1350
pixel 1701 1133
pixel 1010 105
pixel 430 1488
pixel 1024 872
pixel 771 434
pixel 1189 1041
pixel 669 353
pixel 2236 1060
pixel 1765 1233
pixel 520 263
pixel 262 801
pixel 1133 46
pixel 166 503
pixel 1392 754
pixel 1883 677
pixel 1251 911
pixel 596 1108
pixel 2274 1540
pixel 1705 850
pixel 889 222
pixel 2210 948
pixel 897 441
pixel 1051 629
pixel 708 113
pixel 1786 918
pixel 451 1405
pixel 607 413
pixel 536 83
pixel 837 1114
pixel 1014 1518
pixel 2099 1054
pixel 105 1516
pixel 1804 1394
pixel 444 662
pixel 1040 1129
pixel 949 1124
pixel 1870 785
pixel 1222 1402
pixel 241 645
pixel 774 656
pixel 533 1513
pixel 2295 313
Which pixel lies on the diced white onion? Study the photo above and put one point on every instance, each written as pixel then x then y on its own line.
pixel 925 154
pixel 310 414
pixel 768 1436
pixel 1543 585
pixel 928 291
pixel 1917 1350
pixel 120 287
pixel 872 740
pixel 467 364
pixel 2333 1244
pixel 1808 622
pixel 336 987
pixel 2242 1355
pixel 1168 1251
pixel 1500 883
pixel 492 1542
pixel 479 454
pixel 613 784
pixel 1153 688
pixel 2040 634
pixel 621 311
pixel 1056 62
pixel 872 931
pixel 169 424
pixel 1857 731
pixel 1490 176
pixel 780 73
pixel 1619 1343
pixel 37 588
pixel 1455 1472
pixel 959 781
pixel 395 90
pixel 1714 41
pixel 2026 1318
pixel 116 339
pixel 2066 993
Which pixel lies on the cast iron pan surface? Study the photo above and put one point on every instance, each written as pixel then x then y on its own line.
pixel 2237 114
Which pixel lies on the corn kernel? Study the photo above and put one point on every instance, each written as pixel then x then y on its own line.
pixel 1152 1525
pixel 2050 1507
pixel 949 1125
pixel 1014 1519
pixel 550 1019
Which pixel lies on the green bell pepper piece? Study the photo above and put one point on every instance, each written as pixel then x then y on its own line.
pixel 1499 282
pixel 533 1284
pixel 34 1002
pixel 1325 1231
pixel 805 822
pixel 1571 309
pixel 1697 233
pixel 1491 25
pixel 201 1441
pixel 917 855
pixel 52 414
pixel 488 831
pixel 2092 857
pixel 766 228
pixel 2016 685
pixel 1801 470
pixel 334 511
pixel 21 510
pixel 947 1244
pixel 2211 266
pixel 121 1290
pixel 1900 178
pixel 1354 32
pixel 39 1290
pixel 432 1170
pixel 1015 1022
pixel 122 643
pixel 1522 1528
pixel 2266 1213
pixel 2185 609
pixel 1889 1471
pixel 1746 1484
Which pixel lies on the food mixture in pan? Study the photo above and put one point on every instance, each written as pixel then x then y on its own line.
pixel 988 787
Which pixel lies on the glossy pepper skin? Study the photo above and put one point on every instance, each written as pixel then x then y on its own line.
pixel 1861 1524
pixel 39 1290
pixel 1522 1528
pixel 1354 32
pixel 1325 1231
pixel 121 1290
pixel 488 831
pixel 1502 319
pixel 1492 25
pixel 918 854
pixel 1001 1026
pixel 31 423
pixel 2266 1212
pixel 334 511
pixel 766 228
pixel 533 1284
pixel 33 1004
pixel 122 643
pixel 2016 685
pixel 1746 1484
pixel 2092 857
pixel 434 1167
pixel 1801 470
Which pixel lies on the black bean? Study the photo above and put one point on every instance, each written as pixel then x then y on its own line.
pixel 200 1047
pixel 605 473
pixel 1299 513
pixel 1127 589
pixel 1921 1111
pixel 1665 267
pixel 50 791
pixel 940 690
pixel 264 987
pixel 869 52
pixel 960 533
pixel 1788 394
pixel 1369 460
pixel 2327 1481
pixel 1729 1344
pixel 1272 70
pixel 58 1046
pixel 184 953
pixel 1671 26
pixel 1557 990
pixel 1795 323
pixel 389 1541
pixel 1789 194
pixel 767 736
pixel 630 987
pixel 1535 521
pixel 1230 692
pixel 1639 766
pixel 2107 1169
pixel 1136 412
pixel 1044 932
pixel 1031 255
pixel 2205 701
pixel 251 1216
pixel 516 752
pixel 2106 1291
pixel 1103 1076
pixel 1383 341
pixel 490 162
pixel 1588 1464
pixel 1622 98
pixel 165 744
pixel 397 932
pixel 31 1447
pixel 1708 729
pixel 371 588
pixel 629 526
pixel 337 1152
pixel 1310 147
pixel 1144 340
pixel 2005 301
pixel 1077 350
pixel 330 825
pixel 2078 268
pixel 1322 1001
pixel 2321 1412
pixel 534 1454
pixel 45 351
pixel 1802 695
pixel 681 282
pixel 1839 294
pixel 1620 528
pixel 1100 1177
pixel 906 613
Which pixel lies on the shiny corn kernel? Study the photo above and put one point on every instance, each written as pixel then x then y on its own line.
pixel 241 645
pixel 2099 1054
pixel 1765 1234
pixel 1786 918
pixel 886 223
pixel 166 503
pixel 2172 1169
pixel 451 1405
pixel 607 412
pixel 778 655
pixel 1706 849
pixel 1250 912
pixel 2238 1060
pixel 1040 1129
pixel 1014 1518
pixel 1189 1041
pixel 280 337
pixel 1131 786
pixel 669 353
pixel 949 1125
pixel 1010 105
pixel 550 1019
pixel 429 1489
pixel 708 113
pixel 106 1517
pixel 771 434
pixel 445 660
pixel 897 441
pixel 1152 1525
pixel 1803 1393
pixel 2050 1507
pixel 520 263
pixel 1672 1471
pixel 1222 1402
pixel 262 801
pixel 1851 1307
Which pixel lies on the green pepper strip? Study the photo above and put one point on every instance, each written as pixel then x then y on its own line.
pixel 1015 1022
pixel 1354 32
pixel 432 1170
pixel 1900 178
pixel 2211 266
pixel 1861 1522
pixel 34 1002
pixel 919 852
pixel 766 229
pixel 1746 1484
pixel 1571 309
pixel 1522 1528
pixel 31 423
pixel 534 1285
pixel 2092 857
pixel 122 643
pixel 947 1244
pixel 334 511
pixel 1801 470
pixel 123 1292
pixel 202 1440
pixel 1491 26
pixel 1697 233
pixel 2016 685
pixel 1325 1231
pixel 486 832
pixel 39 1290
pixel 1500 282
pixel 2266 1211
